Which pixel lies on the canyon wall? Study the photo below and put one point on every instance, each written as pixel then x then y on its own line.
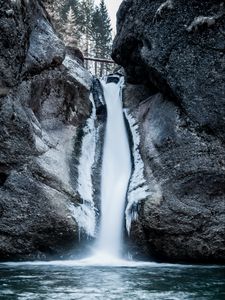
pixel 44 107
pixel 173 53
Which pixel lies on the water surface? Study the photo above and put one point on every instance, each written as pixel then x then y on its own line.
pixel 69 281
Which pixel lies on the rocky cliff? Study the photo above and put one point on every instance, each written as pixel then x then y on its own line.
pixel 44 106
pixel 174 56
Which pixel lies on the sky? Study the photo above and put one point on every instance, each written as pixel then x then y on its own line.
pixel 112 6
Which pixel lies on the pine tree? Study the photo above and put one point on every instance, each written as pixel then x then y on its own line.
pixel 71 32
pixel 96 24
pixel 82 24
pixel 86 12
pixel 101 33
pixel 106 32
pixel 75 5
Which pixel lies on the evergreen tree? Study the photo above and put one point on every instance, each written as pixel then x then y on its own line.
pixel 75 5
pixel 101 33
pixel 71 32
pixel 82 24
pixel 86 12
pixel 106 32
pixel 96 24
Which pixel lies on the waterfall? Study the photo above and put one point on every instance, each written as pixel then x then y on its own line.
pixel 116 170
pixel 115 177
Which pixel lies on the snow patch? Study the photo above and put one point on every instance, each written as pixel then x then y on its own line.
pixel 79 73
pixel 85 218
pixel 138 188
pixel 56 159
pixel 87 158
pixel 40 145
pixel 200 21
pixel 86 163
pixel 165 6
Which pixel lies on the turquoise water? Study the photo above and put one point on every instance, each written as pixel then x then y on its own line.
pixel 68 281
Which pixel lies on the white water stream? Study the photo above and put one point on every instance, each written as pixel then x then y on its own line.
pixel 116 171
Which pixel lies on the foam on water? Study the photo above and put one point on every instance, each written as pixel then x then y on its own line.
pixel 106 260
pixel 100 259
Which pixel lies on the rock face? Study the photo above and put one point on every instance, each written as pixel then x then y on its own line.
pixel 41 89
pixel 175 52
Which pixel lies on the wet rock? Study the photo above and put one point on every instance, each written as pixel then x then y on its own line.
pixel 101 116
pixel 180 115
pixel 45 50
pixel 44 98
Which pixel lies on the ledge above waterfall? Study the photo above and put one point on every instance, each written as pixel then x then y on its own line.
pixel 79 73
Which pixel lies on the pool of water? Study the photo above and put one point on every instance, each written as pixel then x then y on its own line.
pixel 71 280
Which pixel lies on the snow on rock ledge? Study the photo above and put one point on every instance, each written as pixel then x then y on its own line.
pixel 138 189
pixel 79 73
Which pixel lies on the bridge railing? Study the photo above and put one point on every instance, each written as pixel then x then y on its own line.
pixel 99 66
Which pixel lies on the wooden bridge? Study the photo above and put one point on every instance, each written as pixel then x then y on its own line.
pixel 99 66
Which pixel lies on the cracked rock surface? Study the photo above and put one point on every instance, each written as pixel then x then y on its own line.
pixel 41 89
pixel 181 124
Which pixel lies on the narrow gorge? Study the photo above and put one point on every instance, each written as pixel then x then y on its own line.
pixel 112 170
pixel 149 138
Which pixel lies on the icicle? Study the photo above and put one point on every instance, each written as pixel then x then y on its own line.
pixel 138 188
pixel 85 213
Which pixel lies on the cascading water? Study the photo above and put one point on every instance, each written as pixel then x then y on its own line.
pixel 116 171
pixel 115 176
